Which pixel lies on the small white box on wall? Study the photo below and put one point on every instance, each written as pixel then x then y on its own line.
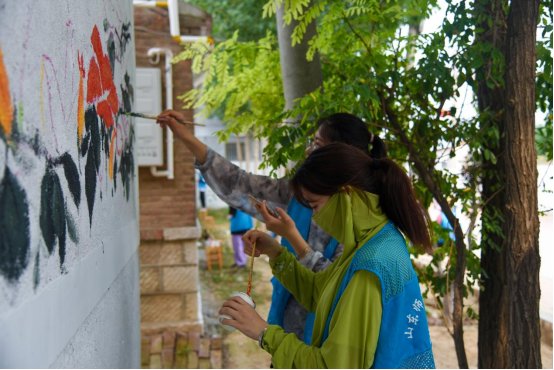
pixel 148 100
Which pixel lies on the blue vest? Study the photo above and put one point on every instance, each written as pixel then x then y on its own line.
pixel 404 340
pixel 302 217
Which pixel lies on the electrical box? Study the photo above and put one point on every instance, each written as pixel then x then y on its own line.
pixel 148 100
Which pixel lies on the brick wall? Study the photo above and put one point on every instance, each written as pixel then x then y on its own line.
pixel 169 284
pixel 180 350
pixel 165 203
pixel 168 254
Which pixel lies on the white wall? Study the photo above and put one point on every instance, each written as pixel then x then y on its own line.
pixel 69 294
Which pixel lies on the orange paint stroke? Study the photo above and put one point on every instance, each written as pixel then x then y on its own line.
pixel 81 102
pixel 6 107
pixel 112 159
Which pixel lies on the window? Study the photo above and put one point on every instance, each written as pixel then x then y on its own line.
pixel 231 151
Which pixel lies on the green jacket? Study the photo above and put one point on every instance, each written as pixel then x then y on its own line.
pixel 354 328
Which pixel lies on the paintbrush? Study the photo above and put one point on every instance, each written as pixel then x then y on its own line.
pixel 149 116
pixel 251 269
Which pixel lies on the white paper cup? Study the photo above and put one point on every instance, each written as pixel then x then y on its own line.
pixel 245 297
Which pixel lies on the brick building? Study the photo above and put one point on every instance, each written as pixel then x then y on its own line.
pixel 170 297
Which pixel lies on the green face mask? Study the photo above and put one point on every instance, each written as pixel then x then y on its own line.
pixel 352 217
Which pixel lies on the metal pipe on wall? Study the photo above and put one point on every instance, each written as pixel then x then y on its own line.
pixel 150 4
pixel 154 54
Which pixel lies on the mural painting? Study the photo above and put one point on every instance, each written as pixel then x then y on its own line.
pixel 62 143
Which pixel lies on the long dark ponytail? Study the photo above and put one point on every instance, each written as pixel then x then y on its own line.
pixel 330 168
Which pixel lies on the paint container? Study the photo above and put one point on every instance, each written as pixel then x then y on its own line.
pixel 245 297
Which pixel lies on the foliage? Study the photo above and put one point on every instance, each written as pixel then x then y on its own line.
pixel 544 80
pixel 231 15
pixel 408 88
pixel 241 83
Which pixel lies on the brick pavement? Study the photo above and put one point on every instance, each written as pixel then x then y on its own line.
pixel 184 350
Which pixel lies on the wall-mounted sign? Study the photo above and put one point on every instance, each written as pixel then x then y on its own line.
pixel 148 100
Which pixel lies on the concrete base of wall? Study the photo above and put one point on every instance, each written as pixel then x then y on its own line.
pixel 116 320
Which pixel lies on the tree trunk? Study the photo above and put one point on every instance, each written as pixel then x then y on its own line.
pixel 300 77
pixel 509 323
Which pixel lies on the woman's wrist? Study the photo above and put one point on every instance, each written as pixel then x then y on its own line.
pixel 275 252
pixel 299 244
pixel 261 337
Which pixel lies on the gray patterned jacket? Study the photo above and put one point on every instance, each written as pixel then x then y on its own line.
pixel 232 184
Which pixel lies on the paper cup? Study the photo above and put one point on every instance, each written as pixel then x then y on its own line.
pixel 245 297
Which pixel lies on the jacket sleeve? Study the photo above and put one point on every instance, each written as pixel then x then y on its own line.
pixel 233 185
pixel 353 332
pixel 296 278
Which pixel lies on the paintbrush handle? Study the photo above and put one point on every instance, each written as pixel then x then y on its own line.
pixel 251 269
pixel 189 123
pixel 149 116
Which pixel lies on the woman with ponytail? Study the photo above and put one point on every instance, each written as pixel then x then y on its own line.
pixel 233 185
pixel 369 311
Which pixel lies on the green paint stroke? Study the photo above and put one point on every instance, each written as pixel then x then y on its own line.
pixel 20 116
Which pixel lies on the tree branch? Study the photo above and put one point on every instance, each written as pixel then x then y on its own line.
pixel 426 175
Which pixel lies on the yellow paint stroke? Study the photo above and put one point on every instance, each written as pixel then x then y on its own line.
pixel 6 107
pixel 41 94
pixel 80 110
pixel 112 152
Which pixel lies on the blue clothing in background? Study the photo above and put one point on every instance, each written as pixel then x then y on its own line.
pixel 201 183
pixel 445 225
pixel 240 222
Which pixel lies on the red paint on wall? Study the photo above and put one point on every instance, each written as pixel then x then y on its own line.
pixel 100 86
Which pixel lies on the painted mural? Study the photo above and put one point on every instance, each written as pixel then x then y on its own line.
pixel 66 152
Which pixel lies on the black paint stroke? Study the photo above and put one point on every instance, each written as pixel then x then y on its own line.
pixel 90 185
pixel 36 271
pixel 72 176
pixel 127 164
pixel 127 94
pixel 53 213
pixel 115 169
pixel 95 138
pixel 111 52
pixel 14 228
pixel 124 37
pixel 72 229
pixel 91 146
pixel 105 138
pixel 85 144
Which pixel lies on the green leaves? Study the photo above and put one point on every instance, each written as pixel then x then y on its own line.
pixel 369 59
pixel 231 15
pixel 242 84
